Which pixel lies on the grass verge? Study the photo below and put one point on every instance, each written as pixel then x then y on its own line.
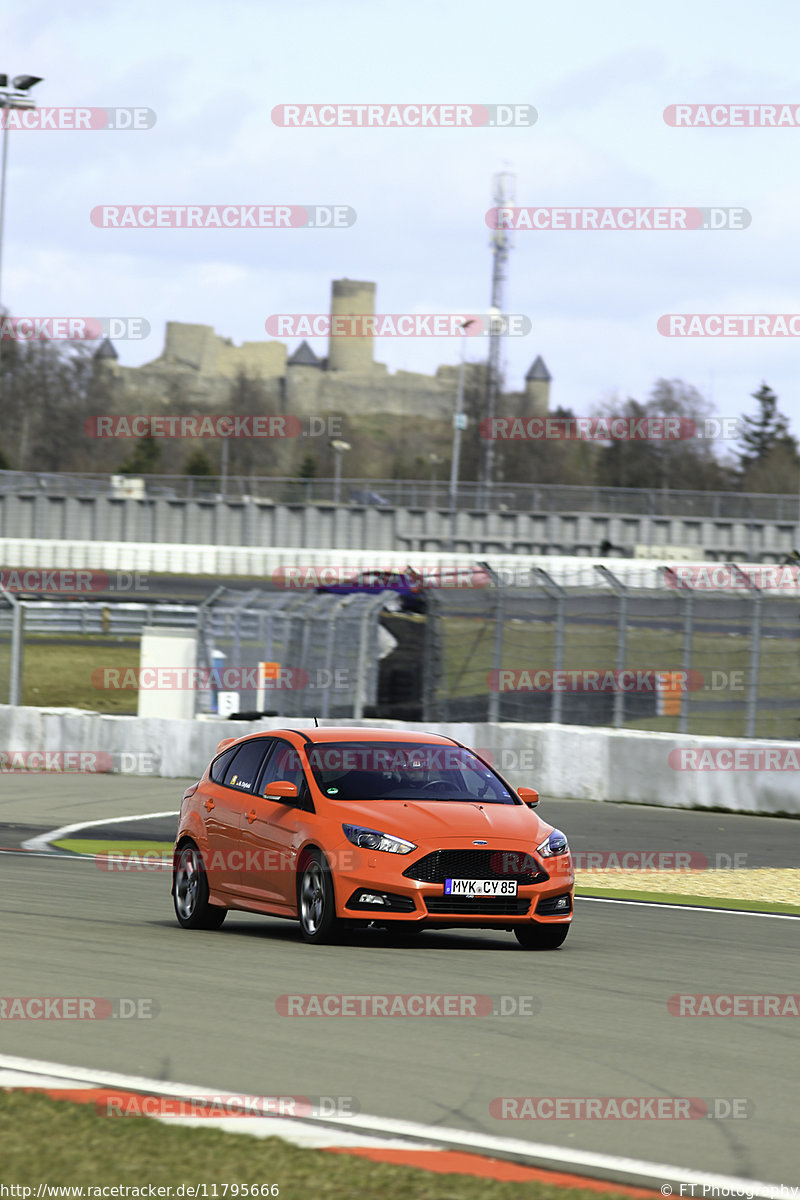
pixel 151 850
pixel 62 675
pixel 736 902
pixel 57 1142
pixel 133 849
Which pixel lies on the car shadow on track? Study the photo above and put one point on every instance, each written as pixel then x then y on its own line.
pixel 288 932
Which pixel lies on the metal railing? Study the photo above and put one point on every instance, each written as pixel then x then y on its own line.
pixel 326 650
pixel 415 493
pixel 682 660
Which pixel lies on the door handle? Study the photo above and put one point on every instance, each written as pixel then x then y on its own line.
pixel 209 804
pixel 251 816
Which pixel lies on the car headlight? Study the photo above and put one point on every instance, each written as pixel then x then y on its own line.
pixel 373 839
pixel 554 843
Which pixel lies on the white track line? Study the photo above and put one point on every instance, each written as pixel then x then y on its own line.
pixel 731 912
pixel 553 1158
pixel 42 842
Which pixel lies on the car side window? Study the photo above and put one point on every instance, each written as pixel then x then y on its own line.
pixel 220 765
pixel 242 772
pixel 284 764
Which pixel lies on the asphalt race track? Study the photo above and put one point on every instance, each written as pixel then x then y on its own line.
pixel 601 1029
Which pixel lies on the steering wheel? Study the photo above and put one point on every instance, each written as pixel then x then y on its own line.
pixel 434 783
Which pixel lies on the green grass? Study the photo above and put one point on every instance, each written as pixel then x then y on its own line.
pixel 57 1142
pixel 104 846
pixel 95 846
pixel 60 675
pixel 768 906
pixel 468 650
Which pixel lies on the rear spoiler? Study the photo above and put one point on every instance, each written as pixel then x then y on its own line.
pixel 225 742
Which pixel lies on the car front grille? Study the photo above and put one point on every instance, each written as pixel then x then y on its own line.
pixel 487 906
pixel 476 864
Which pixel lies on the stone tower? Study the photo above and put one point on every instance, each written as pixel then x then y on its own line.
pixel 350 297
pixel 537 388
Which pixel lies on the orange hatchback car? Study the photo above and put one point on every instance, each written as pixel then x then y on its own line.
pixel 336 827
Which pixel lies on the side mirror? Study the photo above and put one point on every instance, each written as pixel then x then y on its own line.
pixel 280 790
pixel 528 796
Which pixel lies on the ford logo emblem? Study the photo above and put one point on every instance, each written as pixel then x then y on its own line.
pixel 480 843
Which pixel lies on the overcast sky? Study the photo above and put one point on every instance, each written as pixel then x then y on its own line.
pixel 599 76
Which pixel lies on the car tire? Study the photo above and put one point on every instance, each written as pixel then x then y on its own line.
pixel 316 903
pixel 190 891
pixel 541 937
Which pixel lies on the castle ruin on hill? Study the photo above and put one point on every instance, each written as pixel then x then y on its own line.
pixel 201 367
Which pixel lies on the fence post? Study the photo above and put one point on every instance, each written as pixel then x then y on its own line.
pixel 755 651
pixel 622 638
pixel 493 714
pixel 17 636
pixel 360 694
pixel 205 645
pixel 687 591
pixel 558 593
pixel 332 623
pixel 432 659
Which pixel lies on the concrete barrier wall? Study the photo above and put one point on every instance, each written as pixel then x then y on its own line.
pixel 154 558
pixel 562 761
pixel 248 521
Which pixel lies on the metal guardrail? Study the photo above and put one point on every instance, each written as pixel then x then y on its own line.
pixel 507 653
pixel 84 617
pixel 414 493
pixel 724 661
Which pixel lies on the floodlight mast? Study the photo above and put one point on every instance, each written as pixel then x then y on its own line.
pixel 13 96
pixel 501 243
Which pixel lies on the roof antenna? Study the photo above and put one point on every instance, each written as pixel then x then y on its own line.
pixel 316 723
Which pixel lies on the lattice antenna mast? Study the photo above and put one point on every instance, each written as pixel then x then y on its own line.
pixel 501 243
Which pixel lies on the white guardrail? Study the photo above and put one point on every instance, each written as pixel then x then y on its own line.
pixel 260 562
pixel 562 761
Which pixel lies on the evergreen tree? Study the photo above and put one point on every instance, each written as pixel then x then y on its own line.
pixel 308 468
pixel 764 432
pixel 198 463
pixel 143 459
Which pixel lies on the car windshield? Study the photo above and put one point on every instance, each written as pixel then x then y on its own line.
pixel 419 771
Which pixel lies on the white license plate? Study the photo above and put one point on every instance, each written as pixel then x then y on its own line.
pixel 480 887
